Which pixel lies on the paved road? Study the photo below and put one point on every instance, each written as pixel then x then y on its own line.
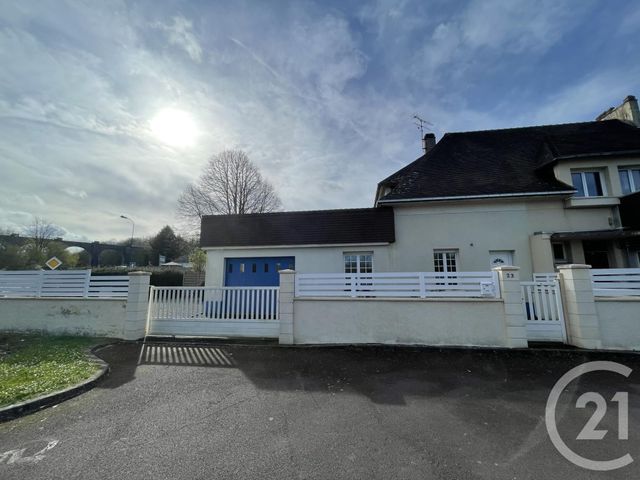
pixel 268 412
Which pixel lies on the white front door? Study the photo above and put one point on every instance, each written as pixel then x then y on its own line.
pixel 500 258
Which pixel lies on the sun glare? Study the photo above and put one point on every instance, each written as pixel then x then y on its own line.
pixel 174 127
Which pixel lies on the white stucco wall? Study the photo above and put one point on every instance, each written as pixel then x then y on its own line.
pixel 478 322
pixel 318 259
pixel 92 317
pixel 619 321
pixel 473 227
pixel 477 227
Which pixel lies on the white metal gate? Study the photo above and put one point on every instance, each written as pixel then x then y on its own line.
pixel 205 311
pixel 542 306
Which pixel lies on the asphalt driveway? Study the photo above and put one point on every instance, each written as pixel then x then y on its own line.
pixel 247 412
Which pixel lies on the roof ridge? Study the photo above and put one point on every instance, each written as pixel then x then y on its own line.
pixel 532 127
pixel 292 211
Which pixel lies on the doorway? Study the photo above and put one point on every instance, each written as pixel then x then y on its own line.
pixel 500 258
pixel 596 253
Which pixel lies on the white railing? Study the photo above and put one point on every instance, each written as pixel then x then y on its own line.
pixel 616 282
pixel 205 303
pixel 62 283
pixel 108 286
pixel 398 284
pixel 545 277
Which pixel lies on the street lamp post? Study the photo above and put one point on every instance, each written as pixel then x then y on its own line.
pixel 133 227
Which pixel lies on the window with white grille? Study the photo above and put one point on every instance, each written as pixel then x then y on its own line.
pixel 358 262
pixel 445 261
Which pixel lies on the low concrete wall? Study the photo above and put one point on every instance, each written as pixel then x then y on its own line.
pixel 469 322
pixel 619 320
pixel 77 316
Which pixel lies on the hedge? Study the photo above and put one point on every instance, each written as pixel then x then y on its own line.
pixel 159 277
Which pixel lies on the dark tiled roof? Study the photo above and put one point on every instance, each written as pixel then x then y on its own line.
pixel 319 227
pixel 509 161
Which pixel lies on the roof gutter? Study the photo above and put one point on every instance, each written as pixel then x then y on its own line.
pixel 598 154
pixel 302 245
pixel 475 197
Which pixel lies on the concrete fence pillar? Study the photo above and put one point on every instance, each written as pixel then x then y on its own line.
pixel 285 305
pixel 541 252
pixel 515 323
pixel 137 305
pixel 581 318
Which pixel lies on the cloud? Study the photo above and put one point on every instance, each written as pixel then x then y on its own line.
pixel 630 22
pixel 72 192
pixel 320 97
pixel 180 33
pixel 517 26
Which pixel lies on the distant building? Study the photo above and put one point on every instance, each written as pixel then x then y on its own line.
pixel 627 112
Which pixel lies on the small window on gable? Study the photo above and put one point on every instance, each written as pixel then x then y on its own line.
pixel 588 184
pixel 254 268
pixel 230 267
pixel 266 268
pixel 242 268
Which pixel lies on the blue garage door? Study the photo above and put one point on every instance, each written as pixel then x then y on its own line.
pixel 255 272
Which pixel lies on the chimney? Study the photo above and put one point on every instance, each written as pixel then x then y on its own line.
pixel 428 142
pixel 627 112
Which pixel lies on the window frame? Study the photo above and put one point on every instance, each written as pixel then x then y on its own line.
pixel 628 170
pixel 583 179
pixel 445 263
pixel 565 257
pixel 358 262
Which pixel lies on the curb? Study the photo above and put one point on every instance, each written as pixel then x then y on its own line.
pixel 34 405
pixel 537 350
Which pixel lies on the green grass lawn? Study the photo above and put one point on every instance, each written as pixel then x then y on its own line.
pixel 33 365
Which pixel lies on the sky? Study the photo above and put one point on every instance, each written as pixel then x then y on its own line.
pixel 111 108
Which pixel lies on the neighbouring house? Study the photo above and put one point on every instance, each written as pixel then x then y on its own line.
pixel 536 197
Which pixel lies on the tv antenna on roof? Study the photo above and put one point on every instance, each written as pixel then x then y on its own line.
pixel 426 143
pixel 420 123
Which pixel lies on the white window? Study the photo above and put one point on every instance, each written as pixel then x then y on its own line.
pixel 358 262
pixel 499 258
pixel 588 184
pixel 445 260
pixel 630 179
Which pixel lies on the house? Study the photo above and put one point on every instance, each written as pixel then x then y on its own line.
pixel 536 197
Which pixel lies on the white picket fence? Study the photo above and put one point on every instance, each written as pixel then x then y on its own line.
pixel 62 283
pixel 206 303
pixel 398 284
pixel 616 282
pixel 543 312
pixel 607 282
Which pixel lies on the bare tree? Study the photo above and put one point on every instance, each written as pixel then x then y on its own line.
pixel 42 232
pixel 230 184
